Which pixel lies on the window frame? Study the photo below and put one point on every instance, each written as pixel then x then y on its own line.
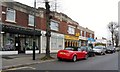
pixel 85 33
pixel 81 32
pixel 71 29
pixel 29 23
pixel 10 10
pixel 54 25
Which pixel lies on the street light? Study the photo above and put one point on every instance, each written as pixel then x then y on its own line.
pixel 34 30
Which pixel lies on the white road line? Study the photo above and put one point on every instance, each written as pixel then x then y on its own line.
pixel 22 68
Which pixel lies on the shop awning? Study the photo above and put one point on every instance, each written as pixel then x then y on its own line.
pixel 91 39
pixel 19 30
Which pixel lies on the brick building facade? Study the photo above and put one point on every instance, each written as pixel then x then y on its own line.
pixel 17 29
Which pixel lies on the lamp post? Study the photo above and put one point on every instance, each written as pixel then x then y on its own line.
pixel 34 30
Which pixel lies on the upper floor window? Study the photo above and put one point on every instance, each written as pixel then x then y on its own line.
pixel 90 35
pixel 31 20
pixel 10 14
pixel 85 34
pixel 81 32
pixel 54 25
pixel 71 29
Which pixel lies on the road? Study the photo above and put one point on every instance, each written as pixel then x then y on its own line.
pixel 99 62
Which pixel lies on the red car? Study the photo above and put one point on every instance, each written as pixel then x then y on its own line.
pixel 72 53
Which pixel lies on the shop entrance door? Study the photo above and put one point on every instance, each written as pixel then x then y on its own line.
pixel 22 43
pixel 19 44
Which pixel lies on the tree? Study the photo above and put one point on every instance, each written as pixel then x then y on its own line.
pixel 116 33
pixel 112 27
pixel 48 33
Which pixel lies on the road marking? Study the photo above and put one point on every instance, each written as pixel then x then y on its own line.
pixel 22 68
pixel 27 65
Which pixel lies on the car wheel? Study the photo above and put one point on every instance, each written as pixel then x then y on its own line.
pixel 74 58
pixel 59 59
pixel 104 53
pixel 86 56
pixel 111 52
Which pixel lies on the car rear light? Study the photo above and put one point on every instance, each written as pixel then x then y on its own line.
pixel 62 53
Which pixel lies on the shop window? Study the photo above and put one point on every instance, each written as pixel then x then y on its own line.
pixel 10 16
pixel 31 20
pixel 43 42
pixel 56 43
pixel 9 42
pixel 29 44
pixel 53 42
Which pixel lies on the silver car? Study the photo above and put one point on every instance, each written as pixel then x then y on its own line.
pixel 99 50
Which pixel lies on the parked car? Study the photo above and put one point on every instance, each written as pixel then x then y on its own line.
pixel 88 49
pixel 110 49
pixel 72 53
pixel 117 49
pixel 99 50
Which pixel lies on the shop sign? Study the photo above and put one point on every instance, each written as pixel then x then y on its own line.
pixel 71 37
pixel 82 38
pixel 77 34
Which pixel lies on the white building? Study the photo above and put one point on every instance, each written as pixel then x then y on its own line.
pixel 103 41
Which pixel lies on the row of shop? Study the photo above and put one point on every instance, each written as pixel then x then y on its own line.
pixel 16 40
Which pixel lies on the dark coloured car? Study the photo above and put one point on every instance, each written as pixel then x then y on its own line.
pixel 110 49
pixel 89 50
pixel 117 49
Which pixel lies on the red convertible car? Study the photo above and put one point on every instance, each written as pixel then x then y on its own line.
pixel 72 53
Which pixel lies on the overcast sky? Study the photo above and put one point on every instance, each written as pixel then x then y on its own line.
pixel 93 14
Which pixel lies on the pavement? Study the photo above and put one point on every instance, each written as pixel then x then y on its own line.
pixel 20 60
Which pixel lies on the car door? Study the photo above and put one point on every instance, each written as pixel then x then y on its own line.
pixel 84 50
pixel 80 53
pixel 104 48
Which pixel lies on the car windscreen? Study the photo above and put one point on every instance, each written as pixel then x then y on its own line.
pixel 83 48
pixel 69 48
pixel 97 47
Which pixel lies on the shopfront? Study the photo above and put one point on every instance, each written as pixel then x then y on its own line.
pixel 71 41
pixel 16 40
pixel 56 42
pixel 83 41
pixel 91 42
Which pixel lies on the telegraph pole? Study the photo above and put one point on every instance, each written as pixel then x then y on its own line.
pixel 34 30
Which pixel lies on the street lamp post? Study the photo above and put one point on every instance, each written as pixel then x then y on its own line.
pixel 34 30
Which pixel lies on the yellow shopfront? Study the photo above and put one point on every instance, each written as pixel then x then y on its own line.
pixel 71 41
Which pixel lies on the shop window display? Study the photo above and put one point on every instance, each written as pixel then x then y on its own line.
pixel 8 43
pixel 29 44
